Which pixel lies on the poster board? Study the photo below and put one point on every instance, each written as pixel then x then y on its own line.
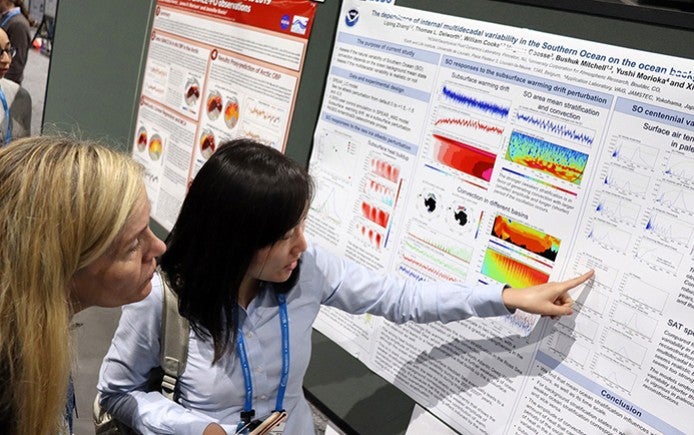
pixel 468 150
pixel 344 385
pixel 215 72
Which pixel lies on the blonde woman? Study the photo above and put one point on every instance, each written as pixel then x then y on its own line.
pixel 73 234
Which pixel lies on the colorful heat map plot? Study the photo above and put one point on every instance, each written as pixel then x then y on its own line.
pixel 464 158
pixel 375 214
pixel 509 271
pixel 563 163
pixel 526 237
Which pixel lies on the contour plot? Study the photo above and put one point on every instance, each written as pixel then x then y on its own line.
pixel 380 188
pixel 526 238
pixel 505 269
pixel 464 157
pixel 530 119
pixel 547 157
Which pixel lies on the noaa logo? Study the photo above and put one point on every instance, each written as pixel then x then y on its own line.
pixel 285 22
pixel 352 17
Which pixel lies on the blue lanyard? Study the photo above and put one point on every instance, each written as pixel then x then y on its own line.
pixel 6 107
pixel 12 13
pixel 70 407
pixel 243 357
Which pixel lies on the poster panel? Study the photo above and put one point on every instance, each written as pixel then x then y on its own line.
pixel 455 149
pixel 215 71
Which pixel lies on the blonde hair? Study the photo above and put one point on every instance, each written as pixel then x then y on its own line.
pixel 62 204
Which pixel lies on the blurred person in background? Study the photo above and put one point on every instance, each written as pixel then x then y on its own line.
pixel 15 115
pixel 15 20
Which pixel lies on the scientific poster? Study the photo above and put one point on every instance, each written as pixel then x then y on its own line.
pixel 215 71
pixel 454 149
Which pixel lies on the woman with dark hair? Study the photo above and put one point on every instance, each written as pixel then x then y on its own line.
pixel 251 286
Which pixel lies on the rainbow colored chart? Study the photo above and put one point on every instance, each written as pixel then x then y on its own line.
pixel 525 237
pixel 563 163
pixel 512 272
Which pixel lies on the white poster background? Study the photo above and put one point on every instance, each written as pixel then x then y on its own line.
pixel 208 80
pixel 453 149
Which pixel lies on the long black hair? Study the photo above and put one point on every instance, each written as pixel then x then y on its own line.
pixel 245 197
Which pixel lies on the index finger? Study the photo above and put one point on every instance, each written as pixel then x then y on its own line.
pixel 573 282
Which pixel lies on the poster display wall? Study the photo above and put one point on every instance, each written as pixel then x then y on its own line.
pixel 454 149
pixel 215 71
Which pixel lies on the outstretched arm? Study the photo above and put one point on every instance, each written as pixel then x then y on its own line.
pixel 550 299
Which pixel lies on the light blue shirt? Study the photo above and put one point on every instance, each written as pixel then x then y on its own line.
pixel 216 393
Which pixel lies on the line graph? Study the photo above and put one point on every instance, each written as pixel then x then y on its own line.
pixel 461 124
pixel 677 198
pixel 618 210
pixel 681 168
pixel 670 228
pixel 328 202
pixel 580 324
pixel 659 256
pixel 606 275
pixel 254 131
pixel 648 295
pixel 595 301
pixel 560 128
pixel 485 104
pixel 626 181
pixel 624 347
pixel 615 375
pixel 635 320
pixel 634 153
pixel 263 113
pixel 444 246
pixel 569 348
pixel 609 236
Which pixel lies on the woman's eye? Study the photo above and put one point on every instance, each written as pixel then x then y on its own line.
pixel 134 245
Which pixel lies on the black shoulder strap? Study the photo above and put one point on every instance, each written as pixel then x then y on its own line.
pixel 174 342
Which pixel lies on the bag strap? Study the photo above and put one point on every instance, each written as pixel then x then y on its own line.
pixel 174 342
